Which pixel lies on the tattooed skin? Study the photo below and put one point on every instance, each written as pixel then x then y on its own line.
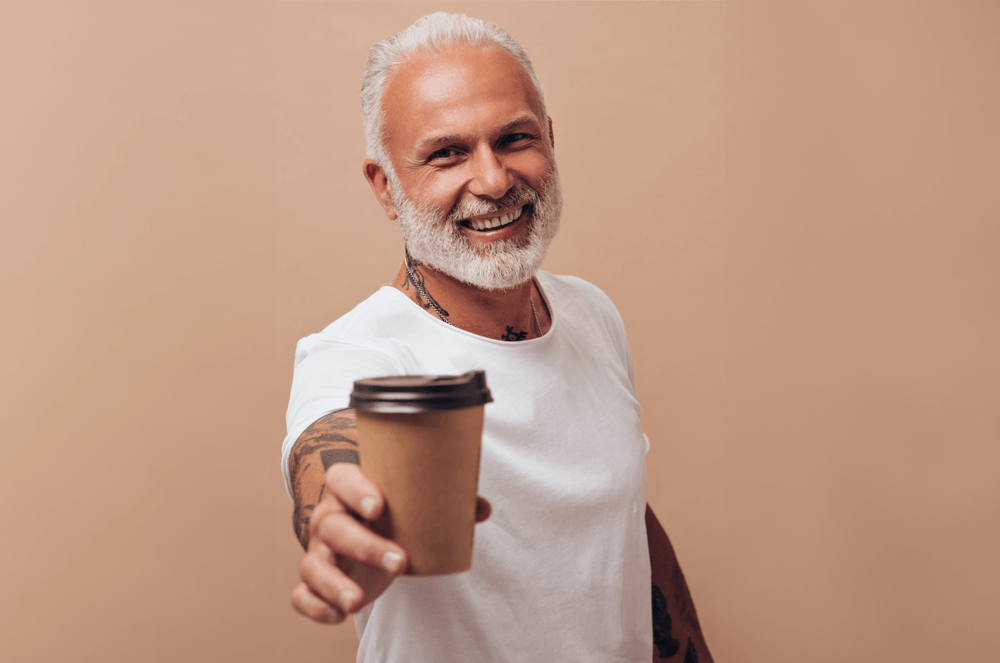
pixel 331 439
pixel 512 335
pixel 676 633
pixel 690 655
pixel 331 456
pixel 420 287
pixel 682 597
pixel 662 626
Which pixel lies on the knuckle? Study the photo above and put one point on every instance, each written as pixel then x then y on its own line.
pixel 321 510
pixel 314 565
pixel 307 568
pixel 324 520
pixel 337 530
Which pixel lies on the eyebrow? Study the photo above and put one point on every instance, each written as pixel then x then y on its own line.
pixel 445 139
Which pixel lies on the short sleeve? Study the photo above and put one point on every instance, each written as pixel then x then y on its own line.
pixel 325 371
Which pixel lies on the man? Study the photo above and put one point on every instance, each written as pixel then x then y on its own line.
pixel 460 154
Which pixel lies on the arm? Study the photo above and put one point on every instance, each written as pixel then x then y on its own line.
pixel 676 631
pixel 346 565
pixel 332 439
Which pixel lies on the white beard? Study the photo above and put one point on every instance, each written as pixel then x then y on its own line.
pixel 500 265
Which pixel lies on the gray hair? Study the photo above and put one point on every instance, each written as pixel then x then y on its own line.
pixel 428 33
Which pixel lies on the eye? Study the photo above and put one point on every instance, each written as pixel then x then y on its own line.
pixel 443 154
pixel 511 139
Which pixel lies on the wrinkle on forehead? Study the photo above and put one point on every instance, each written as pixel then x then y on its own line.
pixel 431 77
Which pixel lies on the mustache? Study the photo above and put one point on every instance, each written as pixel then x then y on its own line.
pixel 516 197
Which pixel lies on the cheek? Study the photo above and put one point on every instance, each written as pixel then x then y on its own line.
pixel 442 191
pixel 533 167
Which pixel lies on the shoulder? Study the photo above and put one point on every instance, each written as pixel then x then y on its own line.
pixel 375 313
pixel 572 296
pixel 368 331
pixel 580 307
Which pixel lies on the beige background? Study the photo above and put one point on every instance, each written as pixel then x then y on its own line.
pixel 794 205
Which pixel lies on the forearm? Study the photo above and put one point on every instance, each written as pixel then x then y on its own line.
pixel 676 630
pixel 331 439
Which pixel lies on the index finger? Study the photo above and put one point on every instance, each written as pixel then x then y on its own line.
pixel 354 490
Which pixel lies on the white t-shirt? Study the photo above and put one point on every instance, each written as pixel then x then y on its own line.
pixel 560 570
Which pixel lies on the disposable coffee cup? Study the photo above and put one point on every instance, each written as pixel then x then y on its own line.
pixel 419 440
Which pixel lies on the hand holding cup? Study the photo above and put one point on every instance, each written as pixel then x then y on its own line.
pixel 347 565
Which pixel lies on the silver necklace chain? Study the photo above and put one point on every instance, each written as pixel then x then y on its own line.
pixel 423 293
pixel 538 327
pixel 440 312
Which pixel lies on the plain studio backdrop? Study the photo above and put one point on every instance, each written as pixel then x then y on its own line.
pixel 794 205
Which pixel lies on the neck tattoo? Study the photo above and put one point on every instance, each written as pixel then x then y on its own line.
pixel 417 279
pixel 431 303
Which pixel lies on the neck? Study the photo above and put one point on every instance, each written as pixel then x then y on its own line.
pixel 501 314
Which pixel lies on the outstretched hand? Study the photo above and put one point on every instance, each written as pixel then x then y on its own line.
pixel 347 565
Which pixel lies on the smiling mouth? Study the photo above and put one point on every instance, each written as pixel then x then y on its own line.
pixel 493 223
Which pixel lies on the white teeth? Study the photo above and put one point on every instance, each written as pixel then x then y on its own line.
pixel 496 222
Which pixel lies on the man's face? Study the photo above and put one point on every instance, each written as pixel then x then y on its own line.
pixel 477 193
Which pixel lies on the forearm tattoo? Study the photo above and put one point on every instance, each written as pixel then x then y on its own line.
pixel 663 639
pixel 331 439
pixel 690 655
pixel 667 646
pixel 682 596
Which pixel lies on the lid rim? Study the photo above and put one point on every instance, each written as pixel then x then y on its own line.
pixel 420 393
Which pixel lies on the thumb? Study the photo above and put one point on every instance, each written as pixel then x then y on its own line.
pixel 483 509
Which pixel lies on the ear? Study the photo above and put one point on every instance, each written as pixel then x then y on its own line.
pixel 380 186
pixel 552 136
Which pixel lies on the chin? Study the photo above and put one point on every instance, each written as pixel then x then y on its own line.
pixel 501 265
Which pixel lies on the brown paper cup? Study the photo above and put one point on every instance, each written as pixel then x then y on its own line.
pixel 427 466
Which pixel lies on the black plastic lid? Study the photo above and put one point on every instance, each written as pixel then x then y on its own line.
pixel 420 393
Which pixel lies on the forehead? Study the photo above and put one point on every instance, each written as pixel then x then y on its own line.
pixel 458 90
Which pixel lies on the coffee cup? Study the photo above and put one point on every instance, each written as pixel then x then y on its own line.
pixel 419 440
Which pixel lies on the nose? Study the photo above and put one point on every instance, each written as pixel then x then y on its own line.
pixel 490 178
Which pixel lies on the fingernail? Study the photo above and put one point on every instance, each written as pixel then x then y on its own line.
pixel 368 506
pixel 391 561
pixel 333 615
pixel 346 598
